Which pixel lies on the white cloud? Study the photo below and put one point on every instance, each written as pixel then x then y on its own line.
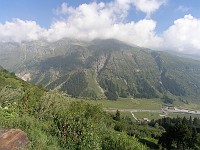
pixel 64 9
pixel 87 21
pixel 148 6
pixel 183 35
pixel 90 21
pixel 140 33
pixel 18 30
pixel 104 20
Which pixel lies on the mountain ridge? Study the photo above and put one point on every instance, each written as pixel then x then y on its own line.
pixel 106 68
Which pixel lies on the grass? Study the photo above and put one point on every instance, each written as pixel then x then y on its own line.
pixel 148 104
pixel 145 104
pixel 127 114
pixel 92 83
pixel 150 116
pixel 183 115
pixel 193 105
pixel 128 103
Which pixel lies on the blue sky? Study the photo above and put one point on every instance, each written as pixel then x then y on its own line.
pixel 41 11
pixel 162 21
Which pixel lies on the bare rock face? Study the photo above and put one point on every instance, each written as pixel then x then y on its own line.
pixel 13 139
pixel 24 76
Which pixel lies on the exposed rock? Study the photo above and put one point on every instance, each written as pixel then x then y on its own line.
pixel 13 139
pixel 24 76
pixel 100 63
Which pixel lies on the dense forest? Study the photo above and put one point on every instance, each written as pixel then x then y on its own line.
pixel 180 133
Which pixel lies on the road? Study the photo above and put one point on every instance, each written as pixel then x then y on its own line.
pixel 132 110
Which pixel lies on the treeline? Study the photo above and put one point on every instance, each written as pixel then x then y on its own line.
pixel 75 85
pixel 144 89
pixel 113 91
pixel 168 83
pixel 171 85
pixel 180 133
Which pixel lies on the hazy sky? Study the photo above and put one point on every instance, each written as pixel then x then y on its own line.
pixel 157 24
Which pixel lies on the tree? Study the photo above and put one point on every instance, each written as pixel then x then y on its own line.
pixel 190 120
pixel 178 136
pixel 183 134
pixel 196 122
pixel 117 115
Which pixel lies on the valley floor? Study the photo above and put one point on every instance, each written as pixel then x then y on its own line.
pixel 148 108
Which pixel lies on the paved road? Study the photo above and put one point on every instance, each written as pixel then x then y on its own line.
pixel 133 110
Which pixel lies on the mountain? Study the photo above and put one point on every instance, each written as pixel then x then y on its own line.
pixel 103 68
pixel 1 68
pixel 180 54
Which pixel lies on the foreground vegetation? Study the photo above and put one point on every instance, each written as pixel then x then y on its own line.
pixel 180 133
pixel 53 121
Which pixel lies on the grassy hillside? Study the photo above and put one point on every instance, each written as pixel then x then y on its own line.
pixel 53 121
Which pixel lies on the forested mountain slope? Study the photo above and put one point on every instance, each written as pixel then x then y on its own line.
pixel 103 68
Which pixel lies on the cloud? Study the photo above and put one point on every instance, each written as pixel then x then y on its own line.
pixel 137 33
pixel 148 6
pixel 145 6
pixel 18 30
pixel 183 35
pixel 103 20
pixel 64 9
pixel 116 10
pixel 106 20
pixel 89 21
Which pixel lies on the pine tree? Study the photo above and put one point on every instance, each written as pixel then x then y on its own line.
pixel 117 115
